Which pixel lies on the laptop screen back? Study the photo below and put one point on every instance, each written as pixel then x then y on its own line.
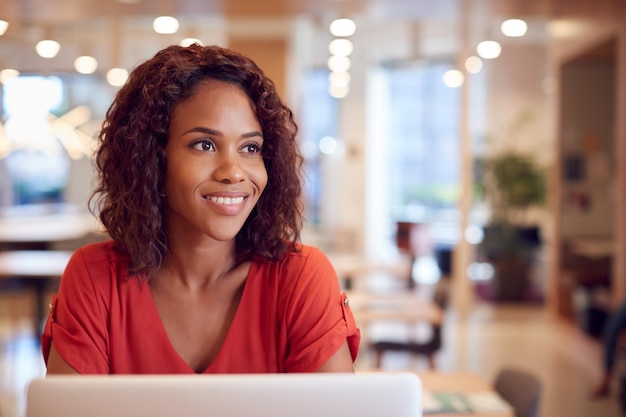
pixel 375 394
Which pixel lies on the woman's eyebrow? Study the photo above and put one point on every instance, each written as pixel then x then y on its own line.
pixel 214 132
pixel 252 135
pixel 206 130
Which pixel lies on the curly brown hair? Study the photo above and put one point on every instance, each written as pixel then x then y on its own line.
pixel 131 161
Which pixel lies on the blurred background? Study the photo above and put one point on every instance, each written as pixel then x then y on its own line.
pixel 473 141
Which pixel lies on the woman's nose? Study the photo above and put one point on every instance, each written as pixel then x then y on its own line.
pixel 229 170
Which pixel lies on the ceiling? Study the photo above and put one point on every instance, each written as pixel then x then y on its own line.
pixel 69 11
pixel 98 24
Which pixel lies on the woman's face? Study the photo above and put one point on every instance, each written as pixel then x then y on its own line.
pixel 215 171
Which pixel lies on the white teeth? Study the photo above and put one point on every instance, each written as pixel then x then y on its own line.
pixel 226 200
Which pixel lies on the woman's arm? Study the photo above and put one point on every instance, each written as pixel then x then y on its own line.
pixel 57 365
pixel 341 361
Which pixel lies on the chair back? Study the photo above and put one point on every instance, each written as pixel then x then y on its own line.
pixel 521 389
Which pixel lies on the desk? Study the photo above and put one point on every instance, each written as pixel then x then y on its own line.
pixel 460 382
pixel 37 269
pixel 40 228
pixel 349 266
pixel 403 306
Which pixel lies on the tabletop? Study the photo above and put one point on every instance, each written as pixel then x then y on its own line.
pixel 352 266
pixel 33 263
pixel 399 306
pixel 471 386
pixel 48 228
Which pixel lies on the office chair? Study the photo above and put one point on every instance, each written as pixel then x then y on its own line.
pixel 521 389
pixel 427 348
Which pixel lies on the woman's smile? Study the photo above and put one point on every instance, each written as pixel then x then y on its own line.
pixel 226 200
pixel 228 204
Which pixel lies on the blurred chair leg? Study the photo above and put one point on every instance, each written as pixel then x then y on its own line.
pixel 431 362
pixel 379 359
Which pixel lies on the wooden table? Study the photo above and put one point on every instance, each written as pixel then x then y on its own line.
pixel 400 306
pixel 38 269
pixel 38 229
pixel 351 266
pixel 403 307
pixel 461 382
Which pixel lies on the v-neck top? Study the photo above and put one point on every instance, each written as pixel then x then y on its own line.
pixel 292 317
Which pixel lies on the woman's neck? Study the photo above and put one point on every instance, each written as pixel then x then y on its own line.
pixel 198 265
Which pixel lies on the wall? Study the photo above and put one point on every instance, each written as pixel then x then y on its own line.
pixel 587 140
pixel 518 108
pixel 587 32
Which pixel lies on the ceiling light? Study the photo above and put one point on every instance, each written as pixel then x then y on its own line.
pixel 338 92
pixel 85 64
pixel 328 145
pixel 342 27
pixel 339 63
pixel 117 76
pixel 514 28
pixel 489 49
pixel 7 74
pixel 339 79
pixel 473 64
pixel 4 25
pixel 340 47
pixel 453 78
pixel 48 48
pixel 165 25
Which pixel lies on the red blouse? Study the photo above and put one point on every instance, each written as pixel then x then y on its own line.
pixel 292 318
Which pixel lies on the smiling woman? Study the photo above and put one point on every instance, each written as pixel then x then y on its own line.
pixel 199 188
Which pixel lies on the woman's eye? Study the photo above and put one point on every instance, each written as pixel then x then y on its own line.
pixel 203 145
pixel 252 148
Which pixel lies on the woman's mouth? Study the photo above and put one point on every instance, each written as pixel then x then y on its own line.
pixel 226 200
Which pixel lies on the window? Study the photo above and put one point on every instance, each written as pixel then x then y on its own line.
pixel 47 123
pixel 36 165
pixel 424 147
pixel 318 124
pixel 423 158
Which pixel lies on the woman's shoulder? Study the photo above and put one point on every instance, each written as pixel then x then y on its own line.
pixel 300 262
pixel 98 258
pixel 97 265
pixel 99 250
pixel 303 254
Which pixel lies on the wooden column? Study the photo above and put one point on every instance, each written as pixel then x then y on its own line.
pixel 619 263
pixel 265 39
pixel 269 54
pixel 462 291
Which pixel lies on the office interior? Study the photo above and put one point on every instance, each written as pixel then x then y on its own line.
pixel 393 158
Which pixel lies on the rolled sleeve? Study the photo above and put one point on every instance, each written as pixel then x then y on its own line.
pixel 319 320
pixel 76 323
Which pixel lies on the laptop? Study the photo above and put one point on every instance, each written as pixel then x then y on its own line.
pixel 368 394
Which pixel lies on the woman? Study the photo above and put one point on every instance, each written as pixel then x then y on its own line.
pixel 198 188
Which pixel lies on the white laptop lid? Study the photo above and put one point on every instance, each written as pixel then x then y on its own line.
pixel 375 394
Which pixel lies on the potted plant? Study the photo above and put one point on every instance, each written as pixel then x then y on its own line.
pixel 514 188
